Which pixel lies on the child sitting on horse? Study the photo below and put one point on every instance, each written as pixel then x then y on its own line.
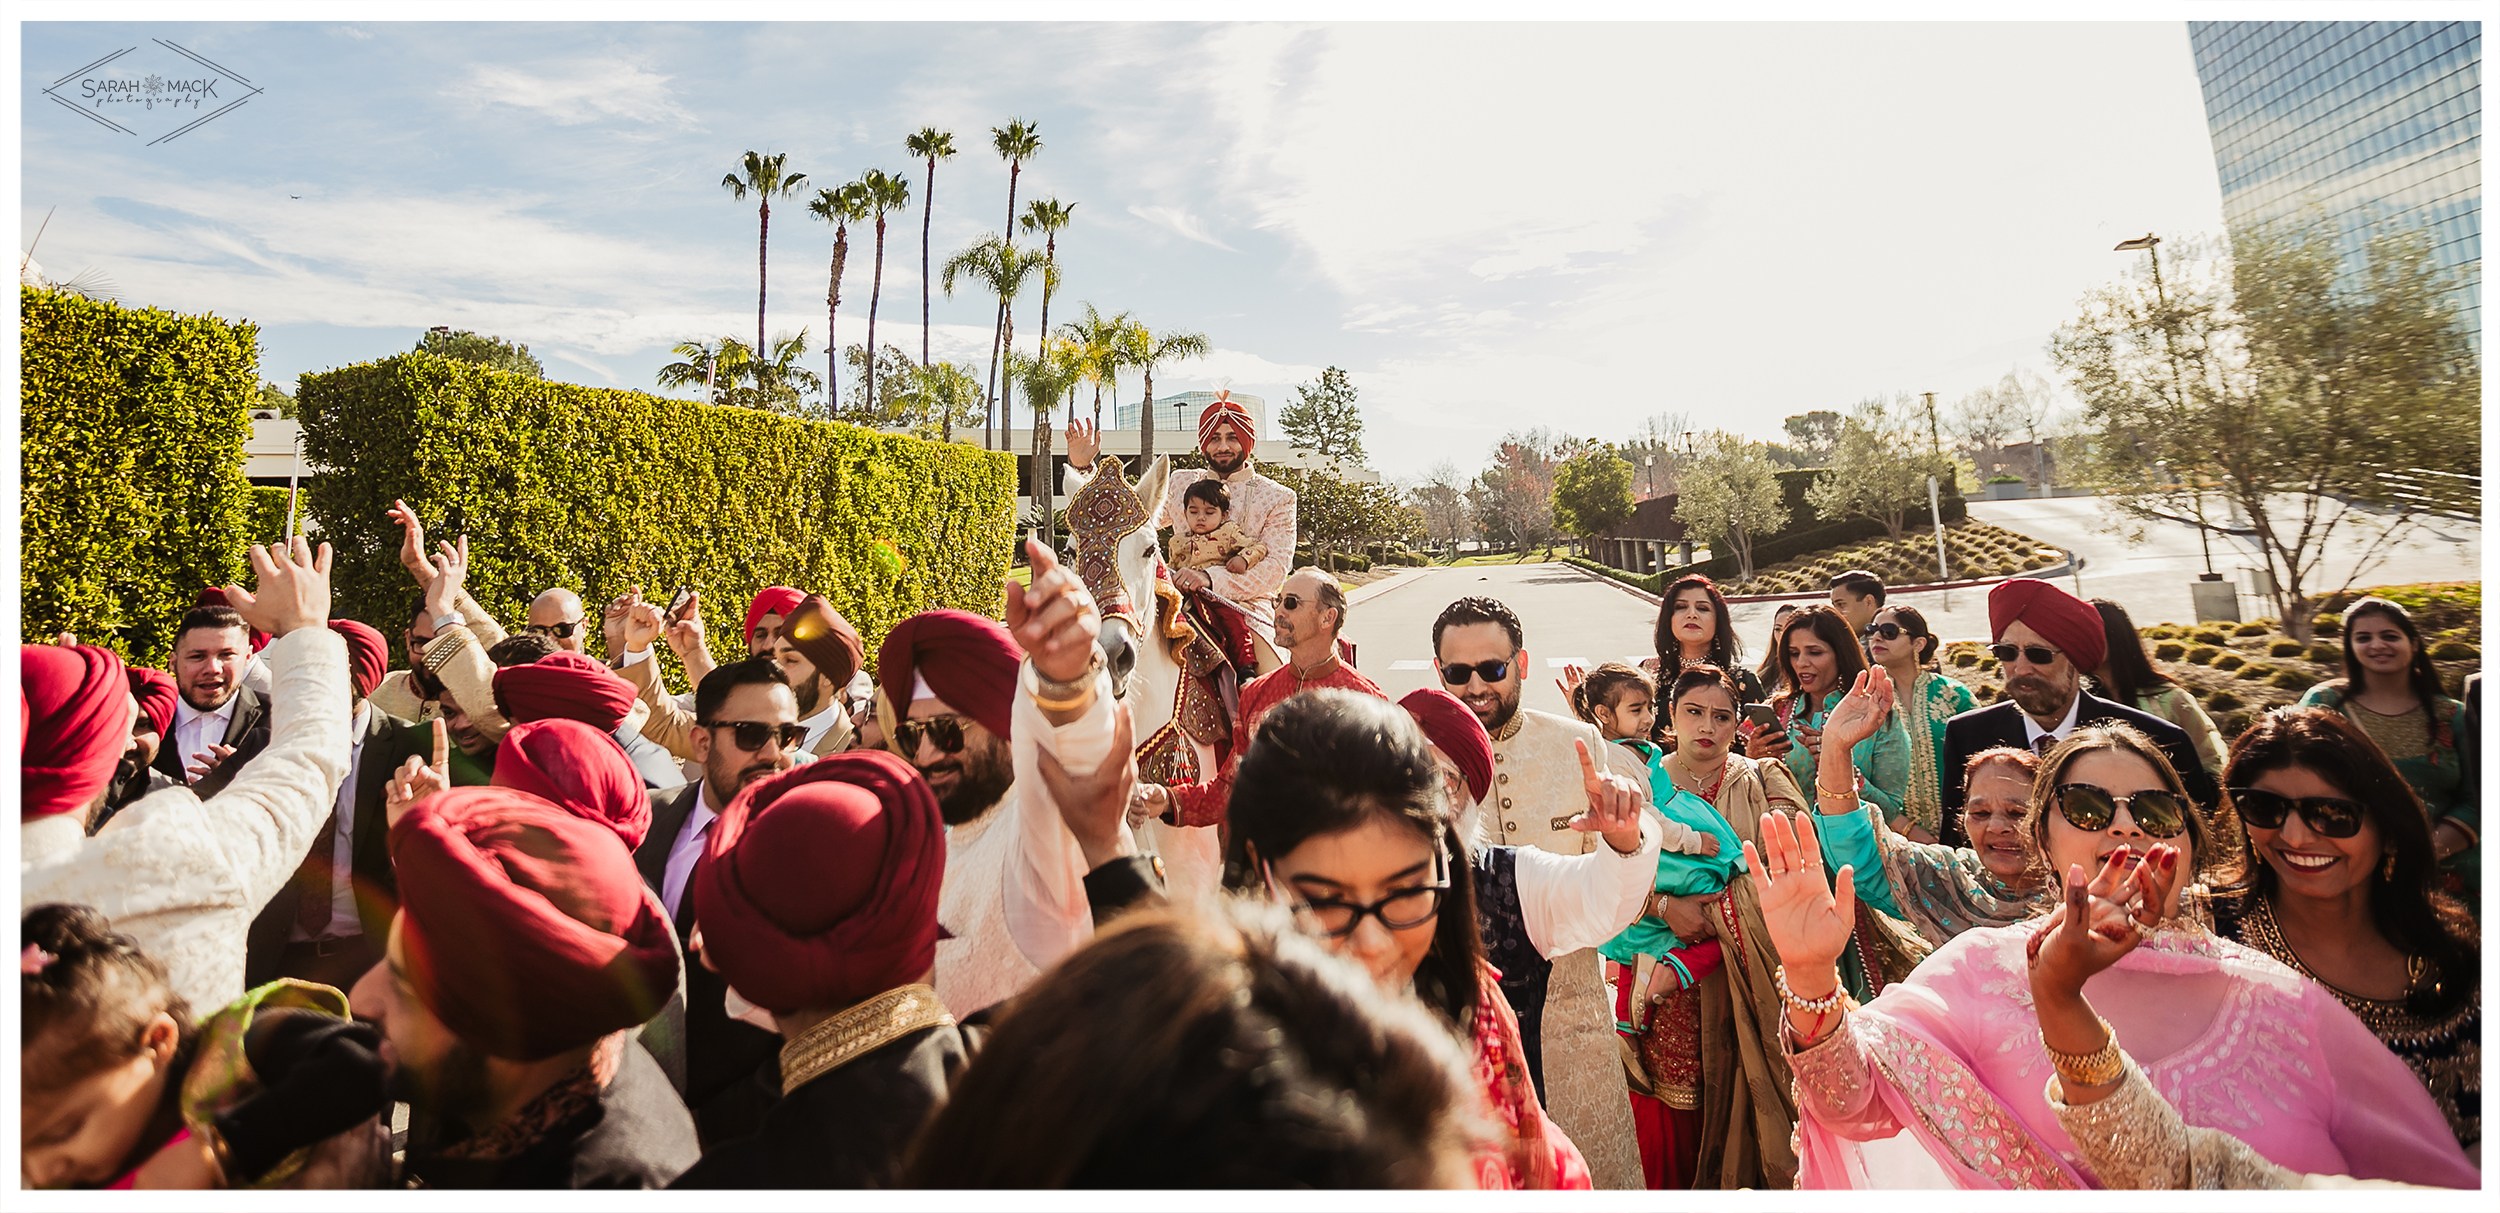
pixel 1212 538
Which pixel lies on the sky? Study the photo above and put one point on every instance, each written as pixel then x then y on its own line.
pixel 1489 226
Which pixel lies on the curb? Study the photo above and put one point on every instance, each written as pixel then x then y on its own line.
pixel 1374 589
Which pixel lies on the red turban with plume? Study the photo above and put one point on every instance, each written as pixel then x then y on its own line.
pixel 1226 409
pixel 581 770
pixel 819 886
pixel 77 718
pixel 968 660
pixel 2060 618
pixel 215 596
pixel 154 689
pixel 368 655
pixel 564 686
pixel 1453 729
pixel 771 600
pixel 524 928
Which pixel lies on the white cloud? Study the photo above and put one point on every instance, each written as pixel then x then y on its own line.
pixel 572 92
pixel 1180 223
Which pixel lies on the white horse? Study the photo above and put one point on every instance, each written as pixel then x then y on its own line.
pixel 1180 706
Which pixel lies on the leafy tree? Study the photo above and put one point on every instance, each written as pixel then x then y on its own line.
pixel 763 176
pixel 777 384
pixel 841 206
pixel 886 192
pixel 1147 351
pixel 1441 496
pixel 933 145
pixel 1015 143
pixel 491 352
pixel 1592 494
pixel 1655 451
pixel 1729 488
pixel 2286 386
pixel 273 397
pixel 1337 515
pixel 1879 467
pixel 933 398
pixel 1003 271
pixel 1045 379
pixel 1814 434
pixel 1513 499
pixel 893 376
pixel 1324 418
pixel 717 365
pixel 1048 216
pixel 1990 419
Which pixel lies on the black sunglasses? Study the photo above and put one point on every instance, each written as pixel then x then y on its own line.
pixel 2036 654
pixel 561 631
pixel 944 732
pixel 2159 813
pixel 1490 671
pixel 1883 631
pixel 2326 816
pixel 1291 602
pixel 752 735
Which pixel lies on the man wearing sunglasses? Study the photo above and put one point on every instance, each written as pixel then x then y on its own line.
pixel 557 615
pixel 2045 639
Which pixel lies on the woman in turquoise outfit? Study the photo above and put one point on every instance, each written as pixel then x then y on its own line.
pixel 1899 641
pixel 2391 692
pixel 1818 659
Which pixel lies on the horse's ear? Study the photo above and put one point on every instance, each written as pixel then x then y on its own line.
pixel 1150 486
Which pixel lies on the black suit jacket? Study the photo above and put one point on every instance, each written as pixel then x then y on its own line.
pixel 377 889
pixel 733 1068
pixel 2001 724
pixel 247 730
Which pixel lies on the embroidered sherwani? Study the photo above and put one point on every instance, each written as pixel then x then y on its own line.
pixel 1263 509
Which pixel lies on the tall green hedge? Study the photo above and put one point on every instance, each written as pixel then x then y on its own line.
pixel 132 493
pixel 557 484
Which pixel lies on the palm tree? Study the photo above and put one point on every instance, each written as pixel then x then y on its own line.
pixel 934 394
pixel 841 207
pixel 1052 373
pixel 933 145
pixel 1151 351
pixel 717 365
pixel 764 177
pixel 1002 271
pixel 779 382
pixel 1014 142
pixel 1098 340
pixel 886 192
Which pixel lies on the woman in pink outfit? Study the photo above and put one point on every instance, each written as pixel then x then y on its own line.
pixel 1943 1080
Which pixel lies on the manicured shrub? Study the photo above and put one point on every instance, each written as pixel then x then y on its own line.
pixel 2256 671
pixel 2203 654
pixel 2169 650
pixel 2210 636
pixel 2291 679
pixel 2286 648
pixel 2222 701
pixel 2455 650
pixel 2252 628
pixel 2229 661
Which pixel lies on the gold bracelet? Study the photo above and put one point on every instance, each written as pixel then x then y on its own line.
pixel 2098 1068
pixel 1052 695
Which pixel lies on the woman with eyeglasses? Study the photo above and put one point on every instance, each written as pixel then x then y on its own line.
pixel 2128 676
pixel 1898 640
pixel 1693 629
pixel 1339 811
pixel 1960 1060
pixel 1818 660
pixel 2340 866
pixel 2391 692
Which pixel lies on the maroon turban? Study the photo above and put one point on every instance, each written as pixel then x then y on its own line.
pixel 1454 730
pixel 154 689
pixel 825 638
pixel 819 886
pixel 368 655
pixel 771 600
pixel 564 686
pixel 2060 618
pixel 968 660
pixel 525 928
pixel 1224 409
pixel 77 720
pixel 214 596
pixel 581 770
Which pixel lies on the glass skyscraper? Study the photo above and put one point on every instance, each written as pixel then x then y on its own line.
pixel 1178 411
pixel 2377 123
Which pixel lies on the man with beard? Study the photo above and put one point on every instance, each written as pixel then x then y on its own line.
pixel 749 729
pixel 1264 509
pixel 961 703
pixel 1566 1020
pixel 219 723
pixel 2045 639
pixel 683 628
pixel 524 953
pixel 137 777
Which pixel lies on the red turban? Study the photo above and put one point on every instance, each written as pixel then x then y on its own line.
pixel 214 596
pixel 154 689
pixel 2060 618
pixel 1227 409
pixel 77 720
pixel 771 600
pixel 819 886
pixel 581 770
pixel 564 686
pixel 1454 730
pixel 825 638
pixel 525 928
pixel 968 660
pixel 368 655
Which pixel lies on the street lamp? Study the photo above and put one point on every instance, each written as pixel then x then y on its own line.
pixel 2151 245
pixel 1649 464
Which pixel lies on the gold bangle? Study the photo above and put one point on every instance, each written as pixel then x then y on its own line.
pixel 2098 1068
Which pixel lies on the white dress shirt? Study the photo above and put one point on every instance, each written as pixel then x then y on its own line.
pixel 2032 732
pixel 343 920
pixel 195 730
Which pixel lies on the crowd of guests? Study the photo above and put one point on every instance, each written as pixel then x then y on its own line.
pixel 520 914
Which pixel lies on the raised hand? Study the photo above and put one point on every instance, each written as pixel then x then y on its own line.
pixel 643 623
pixel 1096 808
pixel 451 573
pixel 1855 717
pixel 1614 811
pixel 1809 925
pixel 206 762
pixel 2101 921
pixel 612 620
pixel 1055 618
pixel 411 542
pixel 66 639
pixel 1084 445
pixel 1572 676
pixel 685 627
pixel 416 779
pixel 293 588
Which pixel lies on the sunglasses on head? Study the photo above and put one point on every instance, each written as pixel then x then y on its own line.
pixel 751 735
pixel 561 631
pixel 2036 654
pixel 944 732
pixel 2326 816
pixel 1490 671
pixel 2160 813
pixel 1883 631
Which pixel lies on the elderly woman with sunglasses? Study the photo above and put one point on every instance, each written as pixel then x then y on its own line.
pixel 2340 888
pixel 1340 810
pixel 1960 1056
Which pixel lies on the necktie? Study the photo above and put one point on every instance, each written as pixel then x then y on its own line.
pixel 313 882
pixel 2042 744
pixel 684 918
